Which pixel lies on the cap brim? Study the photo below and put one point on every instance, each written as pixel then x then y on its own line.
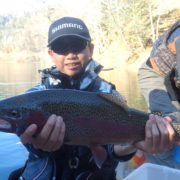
pixel 66 35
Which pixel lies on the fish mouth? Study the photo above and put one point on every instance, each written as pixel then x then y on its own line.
pixel 5 126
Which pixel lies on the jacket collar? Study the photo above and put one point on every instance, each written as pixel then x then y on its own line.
pixel 55 77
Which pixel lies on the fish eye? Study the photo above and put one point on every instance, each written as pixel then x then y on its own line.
pixel 14 113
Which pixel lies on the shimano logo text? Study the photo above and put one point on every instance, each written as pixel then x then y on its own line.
pixel 66 25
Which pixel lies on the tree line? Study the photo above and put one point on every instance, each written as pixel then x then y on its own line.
pixel 126 24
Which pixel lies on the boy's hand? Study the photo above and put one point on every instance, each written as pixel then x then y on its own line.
pixel 159 135
pixel 51 136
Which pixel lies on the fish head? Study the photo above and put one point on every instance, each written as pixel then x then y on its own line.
pixel 8 119
pixel 18 112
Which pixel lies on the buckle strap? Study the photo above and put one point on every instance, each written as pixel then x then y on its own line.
pixel 74 162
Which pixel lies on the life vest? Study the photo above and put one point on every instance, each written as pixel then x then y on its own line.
pixel 163 54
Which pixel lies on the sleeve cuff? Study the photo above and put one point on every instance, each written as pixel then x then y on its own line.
pixel 120 158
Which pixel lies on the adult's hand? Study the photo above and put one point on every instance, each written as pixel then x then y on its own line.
pixel 159 135
pixel 51 136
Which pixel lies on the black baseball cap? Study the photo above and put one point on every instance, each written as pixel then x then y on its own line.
pixel 67 26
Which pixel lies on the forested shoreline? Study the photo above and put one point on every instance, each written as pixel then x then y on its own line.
pixel 121 29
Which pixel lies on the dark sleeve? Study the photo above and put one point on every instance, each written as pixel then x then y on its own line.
pixel 159 101
pixel 36 152
pixel 110 150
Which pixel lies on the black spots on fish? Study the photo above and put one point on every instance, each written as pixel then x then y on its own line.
pixel 76 109
pixel 77 130
pixel 101 113
pixel 137 117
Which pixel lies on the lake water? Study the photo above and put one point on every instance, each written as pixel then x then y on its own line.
pixel 16 77
pixel 12 154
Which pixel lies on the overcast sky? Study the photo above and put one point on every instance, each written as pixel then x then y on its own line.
pixel 19 6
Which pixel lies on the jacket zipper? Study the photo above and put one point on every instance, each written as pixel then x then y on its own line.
pixel 42 170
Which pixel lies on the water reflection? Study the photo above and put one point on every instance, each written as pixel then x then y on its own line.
pixel 126 84
pixel 16 77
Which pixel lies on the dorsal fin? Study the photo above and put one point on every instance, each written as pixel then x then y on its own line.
pixel 117 99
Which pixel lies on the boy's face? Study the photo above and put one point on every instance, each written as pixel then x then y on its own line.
pixel 71 54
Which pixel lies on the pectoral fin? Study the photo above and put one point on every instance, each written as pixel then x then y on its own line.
pixel 99 155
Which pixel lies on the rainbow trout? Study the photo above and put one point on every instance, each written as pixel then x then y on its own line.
pixel 90 117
